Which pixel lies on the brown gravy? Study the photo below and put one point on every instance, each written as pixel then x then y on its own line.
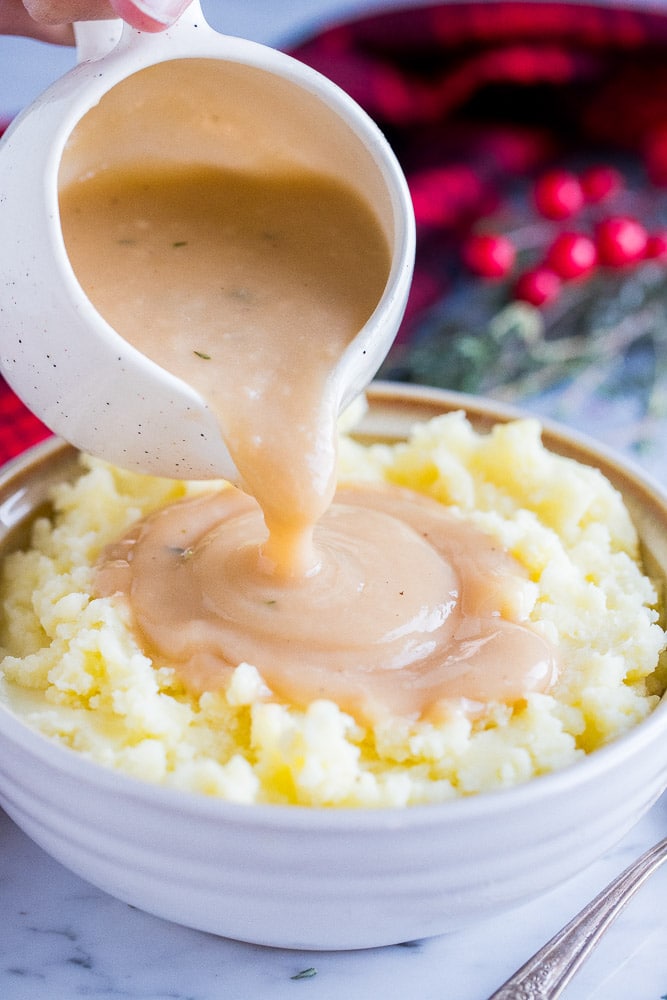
pixel 250 288
pixel 410 605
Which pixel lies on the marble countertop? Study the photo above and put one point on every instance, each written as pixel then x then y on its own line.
pixel 63 939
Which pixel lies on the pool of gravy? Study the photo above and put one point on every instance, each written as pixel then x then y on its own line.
pixel 250 288
pixel 410 607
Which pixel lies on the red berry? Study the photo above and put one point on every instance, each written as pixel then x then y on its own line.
pixel 599 183
pixel 539 286
pixel 571 255
pixel 558 194
pixel 489 255
pixel 620 240
pixel 656 246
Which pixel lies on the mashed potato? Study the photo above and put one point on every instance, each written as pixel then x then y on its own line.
pixel 70 665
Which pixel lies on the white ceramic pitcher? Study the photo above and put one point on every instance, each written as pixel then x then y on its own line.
pixel 60 356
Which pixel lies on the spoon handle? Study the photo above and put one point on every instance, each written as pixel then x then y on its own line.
pixel 547 973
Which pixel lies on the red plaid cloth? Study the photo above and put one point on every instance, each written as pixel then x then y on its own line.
pixel 472 97
pixel 475 96
pixel 417 65
pixel 19 428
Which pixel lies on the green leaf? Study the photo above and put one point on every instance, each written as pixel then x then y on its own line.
pixel 305 974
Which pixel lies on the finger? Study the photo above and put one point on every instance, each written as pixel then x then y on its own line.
pixel 51 20
pixel 15 20
pixel 60 12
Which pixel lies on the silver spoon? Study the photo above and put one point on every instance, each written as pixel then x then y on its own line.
pixel 547 973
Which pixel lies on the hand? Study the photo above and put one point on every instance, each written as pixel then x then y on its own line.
pixel 51 20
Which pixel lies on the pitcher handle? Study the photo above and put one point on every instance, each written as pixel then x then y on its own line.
pixel 95 39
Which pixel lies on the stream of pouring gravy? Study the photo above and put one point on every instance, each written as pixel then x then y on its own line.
pixel 250 288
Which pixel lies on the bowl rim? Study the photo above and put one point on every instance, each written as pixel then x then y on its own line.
pixel 588 768
pixel 569 438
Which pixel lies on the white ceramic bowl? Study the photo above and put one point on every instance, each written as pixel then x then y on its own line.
pixel 331 879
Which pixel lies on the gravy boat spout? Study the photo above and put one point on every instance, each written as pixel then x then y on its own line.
pixel 186 96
